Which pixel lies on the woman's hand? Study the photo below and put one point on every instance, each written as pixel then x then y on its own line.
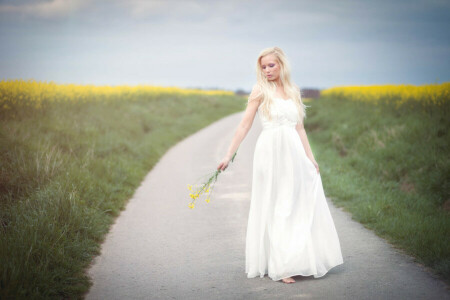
pixel 315 164
pixel 224 163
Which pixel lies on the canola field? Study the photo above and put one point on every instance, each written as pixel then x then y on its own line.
pixel 36 94
pixel 398 95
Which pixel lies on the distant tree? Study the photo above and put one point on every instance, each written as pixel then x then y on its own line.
pixel 305 92
pixel 310 92
pixel 241 92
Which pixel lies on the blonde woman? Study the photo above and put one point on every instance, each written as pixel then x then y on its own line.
pixel 290 230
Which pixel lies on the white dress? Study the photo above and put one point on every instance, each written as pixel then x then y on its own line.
pixel 290 230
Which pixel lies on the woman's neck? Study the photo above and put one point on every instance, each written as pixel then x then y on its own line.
pixel 278 83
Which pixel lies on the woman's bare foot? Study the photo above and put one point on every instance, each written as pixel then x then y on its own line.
pixel 288 280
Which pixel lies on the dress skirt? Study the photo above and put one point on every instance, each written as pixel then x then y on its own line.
pixel 290 229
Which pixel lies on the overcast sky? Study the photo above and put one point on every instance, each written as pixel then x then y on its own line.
pixel 214 44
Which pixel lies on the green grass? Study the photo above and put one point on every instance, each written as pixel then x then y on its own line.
pixel 391 169
pixel 67 171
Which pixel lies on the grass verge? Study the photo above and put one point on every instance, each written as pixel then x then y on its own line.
pixel 390 168
pixel 68 169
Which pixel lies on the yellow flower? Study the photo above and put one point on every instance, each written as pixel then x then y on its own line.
pixel 191 205
pixel 21 93
pixel 206 187
pixel 427 95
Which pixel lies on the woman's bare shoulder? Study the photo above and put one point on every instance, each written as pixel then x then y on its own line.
pixel 255 94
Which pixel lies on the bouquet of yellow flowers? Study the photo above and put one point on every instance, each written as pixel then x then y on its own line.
pixel 204 188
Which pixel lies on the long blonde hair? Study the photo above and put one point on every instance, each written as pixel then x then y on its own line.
pixel 267 88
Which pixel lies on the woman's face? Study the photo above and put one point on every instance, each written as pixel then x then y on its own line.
pixel 270 67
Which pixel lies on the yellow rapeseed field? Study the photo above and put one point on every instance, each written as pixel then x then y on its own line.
pixel 425 95
pixel 21 93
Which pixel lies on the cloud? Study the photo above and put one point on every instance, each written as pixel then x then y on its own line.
pixel 142 9
pixel 54 9
pixel 211 42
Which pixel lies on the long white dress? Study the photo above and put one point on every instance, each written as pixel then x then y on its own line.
pixel 290 230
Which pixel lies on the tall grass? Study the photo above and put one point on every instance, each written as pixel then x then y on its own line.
pixel 68 168
pixel 388 165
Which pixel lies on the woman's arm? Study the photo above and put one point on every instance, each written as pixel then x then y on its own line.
pixel 304 138
pixel 241 131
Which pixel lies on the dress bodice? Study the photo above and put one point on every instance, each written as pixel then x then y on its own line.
pixel 283 113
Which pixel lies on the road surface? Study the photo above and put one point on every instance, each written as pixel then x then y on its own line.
pixel 158 248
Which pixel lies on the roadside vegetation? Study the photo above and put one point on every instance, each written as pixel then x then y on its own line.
pixel 383 156
pixel 70 158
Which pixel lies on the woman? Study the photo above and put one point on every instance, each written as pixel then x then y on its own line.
pixel 290 230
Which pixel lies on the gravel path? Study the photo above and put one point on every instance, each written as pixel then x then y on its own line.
pixel 160 249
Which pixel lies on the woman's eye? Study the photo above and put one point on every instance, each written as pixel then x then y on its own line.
pixel 271 66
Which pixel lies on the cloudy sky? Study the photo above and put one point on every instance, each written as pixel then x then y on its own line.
pixel 214 44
